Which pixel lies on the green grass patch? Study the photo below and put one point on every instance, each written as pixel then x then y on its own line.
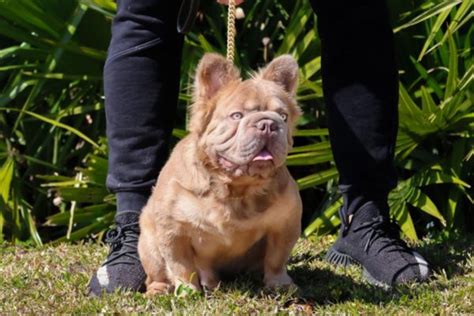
pixel 53 279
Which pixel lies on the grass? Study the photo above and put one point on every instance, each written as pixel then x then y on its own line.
pixel 53 279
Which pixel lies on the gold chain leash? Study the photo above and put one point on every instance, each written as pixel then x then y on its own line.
pixel 231 31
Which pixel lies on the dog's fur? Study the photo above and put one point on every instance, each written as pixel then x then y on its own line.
pixel 225 202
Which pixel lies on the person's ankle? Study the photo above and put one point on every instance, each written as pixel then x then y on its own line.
pixel 131 200
pixel 355 199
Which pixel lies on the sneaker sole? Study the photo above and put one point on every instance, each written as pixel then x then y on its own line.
pixel 341 259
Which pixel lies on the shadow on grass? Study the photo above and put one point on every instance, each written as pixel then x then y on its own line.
pixel 324 286
pixel 449 256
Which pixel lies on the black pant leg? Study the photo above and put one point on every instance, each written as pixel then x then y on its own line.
pixel 360 84
pixel 141 83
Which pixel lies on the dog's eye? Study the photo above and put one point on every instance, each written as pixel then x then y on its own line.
pixel 284 116
pixel 236 115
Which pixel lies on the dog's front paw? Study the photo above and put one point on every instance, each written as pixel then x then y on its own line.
pixel 280 281
pixel 209 280
pixel 156 288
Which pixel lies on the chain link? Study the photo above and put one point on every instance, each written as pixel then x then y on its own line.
pixel 231 31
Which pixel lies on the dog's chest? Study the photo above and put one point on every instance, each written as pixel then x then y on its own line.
pixel 224 246
pixel 225 230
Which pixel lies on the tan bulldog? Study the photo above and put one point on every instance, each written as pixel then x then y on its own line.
pixel 225 201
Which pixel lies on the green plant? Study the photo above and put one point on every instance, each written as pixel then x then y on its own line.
pixel 435 138
pixel 51 110
pixel 50 102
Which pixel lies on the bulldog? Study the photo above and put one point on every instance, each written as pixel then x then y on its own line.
pixel 225 201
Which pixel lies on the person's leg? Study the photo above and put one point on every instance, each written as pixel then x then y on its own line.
pixel 360 84
pixel 141 83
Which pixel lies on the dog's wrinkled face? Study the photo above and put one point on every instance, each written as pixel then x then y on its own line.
pixel 249 132
pixel 245 127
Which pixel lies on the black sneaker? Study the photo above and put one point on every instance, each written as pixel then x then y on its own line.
pixel 369 239
pixel 122 269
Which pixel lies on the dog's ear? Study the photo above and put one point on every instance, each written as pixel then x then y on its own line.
pixel 213 72
pixel 284 71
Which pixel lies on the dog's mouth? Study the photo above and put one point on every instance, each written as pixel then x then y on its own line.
pixel 262 157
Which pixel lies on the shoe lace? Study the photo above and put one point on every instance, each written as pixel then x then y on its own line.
pixel 123 242
pixel 380 228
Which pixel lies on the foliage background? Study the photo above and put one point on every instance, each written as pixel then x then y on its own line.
pixel 52 125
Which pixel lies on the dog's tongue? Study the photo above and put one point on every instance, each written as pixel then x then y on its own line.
pixel 263 155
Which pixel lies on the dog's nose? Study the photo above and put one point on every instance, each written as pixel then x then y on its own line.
pixel 267 125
